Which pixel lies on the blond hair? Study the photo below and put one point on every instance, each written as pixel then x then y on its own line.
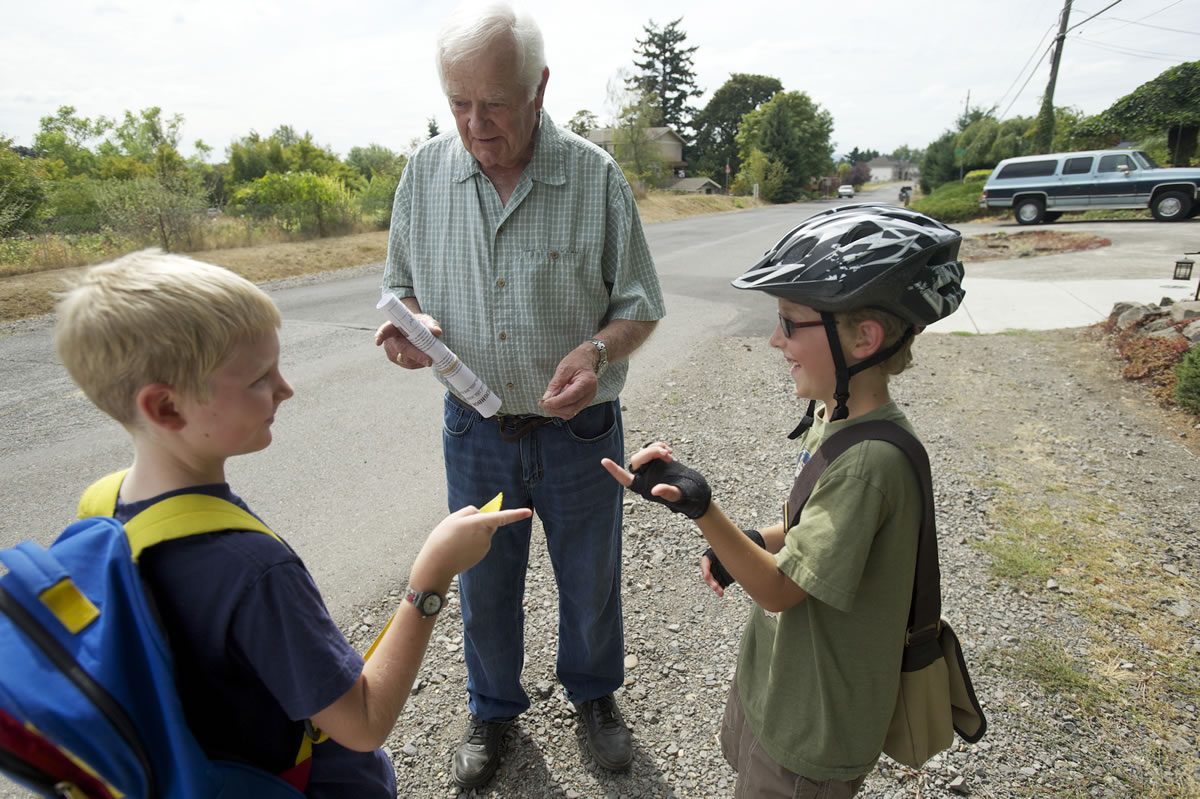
pixel 893 328
pixel 151 317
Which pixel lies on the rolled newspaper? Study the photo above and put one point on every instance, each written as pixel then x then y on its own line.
pixel 473 390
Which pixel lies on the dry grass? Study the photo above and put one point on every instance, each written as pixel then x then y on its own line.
pixel 31 293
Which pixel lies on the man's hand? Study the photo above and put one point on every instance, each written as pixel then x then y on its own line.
pixel 399 349
pixel 574 384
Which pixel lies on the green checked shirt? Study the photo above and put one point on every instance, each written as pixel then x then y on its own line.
pixel 516 287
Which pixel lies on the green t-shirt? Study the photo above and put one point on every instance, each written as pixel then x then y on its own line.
pixel 819 681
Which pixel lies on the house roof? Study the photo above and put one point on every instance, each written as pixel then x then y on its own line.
pixel 606 135
pixel 692 184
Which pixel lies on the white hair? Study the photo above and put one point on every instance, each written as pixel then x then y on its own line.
pixel 473 29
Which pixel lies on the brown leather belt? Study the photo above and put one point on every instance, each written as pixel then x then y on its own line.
pixel 513 427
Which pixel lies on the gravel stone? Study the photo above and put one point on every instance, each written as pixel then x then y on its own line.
pixel 1044 414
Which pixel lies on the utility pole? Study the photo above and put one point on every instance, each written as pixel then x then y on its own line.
pixel 1045 124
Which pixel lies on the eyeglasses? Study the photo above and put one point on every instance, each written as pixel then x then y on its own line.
pixel 788 325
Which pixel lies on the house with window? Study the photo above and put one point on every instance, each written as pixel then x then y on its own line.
pixel 887 170
pixel 669 143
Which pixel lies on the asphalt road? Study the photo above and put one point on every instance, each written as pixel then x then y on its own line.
pixel 354 477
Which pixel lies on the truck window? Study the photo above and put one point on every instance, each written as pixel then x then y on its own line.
pixel 1109 163
pixel 1146 161
pixel 1029 169
pixel 1078 166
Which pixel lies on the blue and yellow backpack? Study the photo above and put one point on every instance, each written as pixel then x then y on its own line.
pixel 88 705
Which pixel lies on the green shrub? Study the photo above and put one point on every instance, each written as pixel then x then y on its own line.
pixel 1187 377
pixel 377 198
pixel 952 202
pixel 977 176
pixel 301 202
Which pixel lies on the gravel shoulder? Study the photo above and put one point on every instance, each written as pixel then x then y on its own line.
pixel 1039 449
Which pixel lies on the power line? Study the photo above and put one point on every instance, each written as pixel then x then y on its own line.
pixel 1026 83
pixel 1112 48
pixel 1037 47
pixel 1093 16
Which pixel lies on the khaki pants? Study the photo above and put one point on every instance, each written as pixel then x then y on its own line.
pixel 760 777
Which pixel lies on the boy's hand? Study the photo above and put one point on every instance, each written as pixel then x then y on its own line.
pixel 658 477
pixel 706 573
pixel 399 349
pixel 460 541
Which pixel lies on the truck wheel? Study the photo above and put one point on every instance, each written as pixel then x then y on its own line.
pixel 1171 206
pixel 1030 211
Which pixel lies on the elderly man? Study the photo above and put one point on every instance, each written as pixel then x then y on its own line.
pixel 521 246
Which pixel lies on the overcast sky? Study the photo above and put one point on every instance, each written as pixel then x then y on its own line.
pixel 356 72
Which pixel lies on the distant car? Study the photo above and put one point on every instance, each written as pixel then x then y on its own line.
pixel 845 190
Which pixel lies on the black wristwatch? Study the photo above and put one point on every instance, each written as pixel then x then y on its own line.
pixel 428 603
pixel 601 355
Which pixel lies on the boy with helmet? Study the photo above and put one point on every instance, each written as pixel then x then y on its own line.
pixel 819 666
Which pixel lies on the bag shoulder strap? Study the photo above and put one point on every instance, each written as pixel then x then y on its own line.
pixel 179 516
pixel 926 609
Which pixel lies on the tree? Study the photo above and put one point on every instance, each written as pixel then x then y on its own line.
pixel 666 74
pixel 857 155
pixel 717 125
pixel 64 137
pixel 583 122
pixel 375 159
pixel 939 165
pixel 858 174
pixel 758 170
pixel 433 128
pixel 634 150
pixel 1169 103
pixel 164 207
pixel 908 154
pixel 21 190
pixel 253 157
pixel 793 130
pixel 143 136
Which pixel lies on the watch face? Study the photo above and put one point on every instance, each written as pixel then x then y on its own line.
pixel 431 604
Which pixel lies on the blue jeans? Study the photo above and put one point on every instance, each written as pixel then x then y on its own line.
pixel 556 471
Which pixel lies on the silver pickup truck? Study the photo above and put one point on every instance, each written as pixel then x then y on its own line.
pixel 1040 187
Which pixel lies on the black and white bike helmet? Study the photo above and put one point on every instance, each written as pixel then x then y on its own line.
pixel 867 255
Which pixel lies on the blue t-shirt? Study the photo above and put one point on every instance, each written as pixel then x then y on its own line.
pixel 255 652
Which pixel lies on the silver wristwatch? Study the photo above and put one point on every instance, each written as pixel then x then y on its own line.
pixel 427 602
pixel 601 355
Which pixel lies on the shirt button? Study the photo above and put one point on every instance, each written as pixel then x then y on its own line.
pixel 499 230
pixel 500 282
pixel 554 255
pixel 510 385
pixel 503 336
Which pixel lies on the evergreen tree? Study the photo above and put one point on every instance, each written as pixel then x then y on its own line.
pixel 666 74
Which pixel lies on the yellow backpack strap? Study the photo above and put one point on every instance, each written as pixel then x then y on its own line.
pixel 100 499
pixel 179 516
pixel 184 515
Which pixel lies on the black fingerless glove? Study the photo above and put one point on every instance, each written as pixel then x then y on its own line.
pixel 696 493
pixel 723 577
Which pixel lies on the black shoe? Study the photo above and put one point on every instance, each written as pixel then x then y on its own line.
pixel 478 755
pixel 607 736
